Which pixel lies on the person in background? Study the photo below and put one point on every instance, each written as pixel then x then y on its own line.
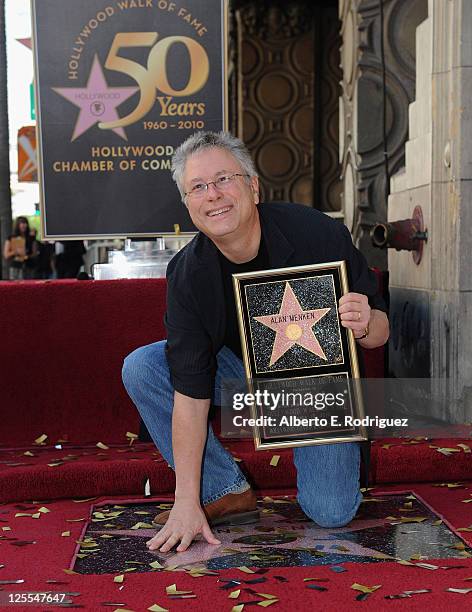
pixel 44 263
pixel 69 258
pixel 21 250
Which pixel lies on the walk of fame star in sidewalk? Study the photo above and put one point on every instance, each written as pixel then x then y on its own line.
pixel 386 528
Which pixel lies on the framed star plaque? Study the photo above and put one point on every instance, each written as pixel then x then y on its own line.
pixel 301 363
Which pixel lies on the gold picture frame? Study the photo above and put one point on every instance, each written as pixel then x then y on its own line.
pixel 310 354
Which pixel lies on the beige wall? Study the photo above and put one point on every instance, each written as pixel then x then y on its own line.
pixel 438 176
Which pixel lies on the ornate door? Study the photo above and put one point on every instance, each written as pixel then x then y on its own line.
pixel 286 75
pixel 362 142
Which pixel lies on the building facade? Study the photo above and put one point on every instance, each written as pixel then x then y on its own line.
pixel 361 108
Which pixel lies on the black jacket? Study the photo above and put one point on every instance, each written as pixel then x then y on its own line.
pixel 195 320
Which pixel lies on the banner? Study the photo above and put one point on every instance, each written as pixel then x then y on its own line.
pixel 27 162
pixel 120 84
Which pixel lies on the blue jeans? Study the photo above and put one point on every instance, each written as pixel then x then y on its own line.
pixel 327 475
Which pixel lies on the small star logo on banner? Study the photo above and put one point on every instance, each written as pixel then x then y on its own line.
pixel 97 101
pixel 293 325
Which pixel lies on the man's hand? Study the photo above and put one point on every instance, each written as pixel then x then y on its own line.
pixel 355 311
pixel 186 520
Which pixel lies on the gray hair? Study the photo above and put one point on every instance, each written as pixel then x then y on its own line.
pixel 207 140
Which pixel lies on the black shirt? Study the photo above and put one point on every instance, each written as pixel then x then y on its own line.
pixel 196 317
pixel 228 268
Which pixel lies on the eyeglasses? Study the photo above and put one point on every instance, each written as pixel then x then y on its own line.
pixel 221 183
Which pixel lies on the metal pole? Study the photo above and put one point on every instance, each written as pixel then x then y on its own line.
pixel 5 192
pixel 384 104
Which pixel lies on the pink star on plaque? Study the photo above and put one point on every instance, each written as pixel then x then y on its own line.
pixel 97 101
pixel 293 325
pixel 308 535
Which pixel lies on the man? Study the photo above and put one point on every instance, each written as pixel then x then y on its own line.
pixel 173 382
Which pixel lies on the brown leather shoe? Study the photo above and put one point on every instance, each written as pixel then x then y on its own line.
pixel 231 509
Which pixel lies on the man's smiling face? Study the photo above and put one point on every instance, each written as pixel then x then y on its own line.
pixel 221 213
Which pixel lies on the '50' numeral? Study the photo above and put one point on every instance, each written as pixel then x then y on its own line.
pixel 155 75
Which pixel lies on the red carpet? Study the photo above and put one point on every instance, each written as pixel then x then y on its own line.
pixel 89 471
pixel 63 343
pixel 121 470
pixel 52 552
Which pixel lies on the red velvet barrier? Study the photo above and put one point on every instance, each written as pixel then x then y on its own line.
pixel 62 349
